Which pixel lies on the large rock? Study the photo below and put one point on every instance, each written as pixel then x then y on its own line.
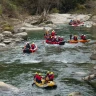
pixel 7 34
pixel 75 94
pixel 1 37
pixel 7 41
pixel 93 57
pixel 2 45
pixel 7 87
pixel 21 35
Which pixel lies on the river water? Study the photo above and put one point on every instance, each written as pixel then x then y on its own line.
pixel 69 62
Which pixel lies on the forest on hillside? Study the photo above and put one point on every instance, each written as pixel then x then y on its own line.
pixel 14 7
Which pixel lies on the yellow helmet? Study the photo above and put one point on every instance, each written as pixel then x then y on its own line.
pixel 51 73
pixel 40 74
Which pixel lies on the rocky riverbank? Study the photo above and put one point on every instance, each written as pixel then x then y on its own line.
pixel 21 27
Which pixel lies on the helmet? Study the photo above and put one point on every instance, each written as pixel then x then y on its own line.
pixel 36 73
pixel 51 73
pixel 40 74
pixel 33 43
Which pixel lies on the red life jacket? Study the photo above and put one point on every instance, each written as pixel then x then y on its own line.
pixel 33 46
pixel 53 34
pixel 51 77
pixel 35 76
pixel 39 77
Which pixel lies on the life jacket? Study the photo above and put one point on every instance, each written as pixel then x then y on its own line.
pixel 33 46
pixel 75 38
pixel 82 36
pixel 35 76
pixel 39 78
pixel 53 33
pixel 51 77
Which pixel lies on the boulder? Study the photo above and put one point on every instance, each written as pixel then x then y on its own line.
pixel 75 94
pixel 1 37
pixel 7 34
pixel 93 57
pixel 8 87
pixel 7 41
pixel 21 35
pixel 2 45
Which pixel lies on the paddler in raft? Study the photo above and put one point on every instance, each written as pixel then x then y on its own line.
pixel 83 37
pixel 27 46
pixel 33 46
pixel 75 38
pixel 38 77
pixel 53 33
pixel 49 76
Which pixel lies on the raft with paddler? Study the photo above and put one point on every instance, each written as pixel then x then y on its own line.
pixel 74 39
pixel 46 82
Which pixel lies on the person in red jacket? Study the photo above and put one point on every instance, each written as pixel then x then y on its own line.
pixel 35 76
pixel 75 38
pixel 33 45
pixel 51 76
pixel 47 77
pixel 53 33
pixel 39 78
pixel 82 36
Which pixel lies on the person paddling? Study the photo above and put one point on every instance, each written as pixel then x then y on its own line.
pixel 51 76
pixel 47 76
pixel 35 76
pixel 75 38
pixel 39 78
pixel 27 46
pixel 33 45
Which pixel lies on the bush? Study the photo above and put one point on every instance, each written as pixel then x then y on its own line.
pixel 80 7
pixel 54 10
pixel 7 27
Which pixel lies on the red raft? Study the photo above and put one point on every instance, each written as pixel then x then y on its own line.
pixel 29 50
pixel 55 42
pixel 81 24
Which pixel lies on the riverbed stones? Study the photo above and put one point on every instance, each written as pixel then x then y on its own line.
pixel 2 45
pixel 7 34
pixel 75 94
pixel 7 41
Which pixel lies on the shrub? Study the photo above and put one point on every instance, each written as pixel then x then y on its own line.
pixel 7 27
pixel 54 10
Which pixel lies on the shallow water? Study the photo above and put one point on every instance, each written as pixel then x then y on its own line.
pixel 69 62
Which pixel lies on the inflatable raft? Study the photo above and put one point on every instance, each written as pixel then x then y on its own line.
pixel 84 41
pixel 50 84
pixel 29 50
pixel 55 42
pixel 73 41
pixel 77 24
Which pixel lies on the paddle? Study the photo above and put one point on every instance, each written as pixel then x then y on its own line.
pixel 33 83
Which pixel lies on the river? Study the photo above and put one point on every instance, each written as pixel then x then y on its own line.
pixel 69 62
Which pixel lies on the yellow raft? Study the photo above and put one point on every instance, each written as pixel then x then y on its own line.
pixel 50 84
